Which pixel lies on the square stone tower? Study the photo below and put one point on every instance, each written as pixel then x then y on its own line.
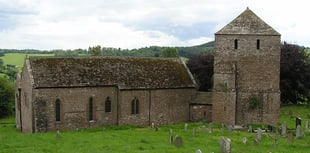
pixel 246 72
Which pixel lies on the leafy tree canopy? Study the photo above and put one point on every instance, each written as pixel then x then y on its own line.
pixel 7 97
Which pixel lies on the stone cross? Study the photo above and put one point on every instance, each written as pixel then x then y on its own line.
pixel 170 139
pixel 194 132
pixel 299 133
pixel 225 145
pixel 244 140
pixel 284 130
pixel 185 127
pixel 210 128
pixel 170 132
pixel 259 134
pixel 178 142
pixel 203 129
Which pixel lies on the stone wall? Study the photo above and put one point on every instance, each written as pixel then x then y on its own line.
pixel 26 119
pixel 74 107
pixel 201 112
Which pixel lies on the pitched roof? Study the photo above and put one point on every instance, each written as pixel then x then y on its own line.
pixel 124 72
pixel 248 23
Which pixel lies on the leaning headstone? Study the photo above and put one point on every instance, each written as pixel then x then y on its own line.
pixel 244 140
pixel 185 127
pixel 178 142
pixel 210 128
pixel 290 138
pixel 203 129
pixel 58 135
pixel 194 132
pixel 225 145
pixel 198 151
pixel 250 130
pixel 284 130
pixel 259 134
pixel 299 133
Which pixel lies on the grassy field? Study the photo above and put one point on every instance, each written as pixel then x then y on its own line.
pixel 146 140
pixel 18 58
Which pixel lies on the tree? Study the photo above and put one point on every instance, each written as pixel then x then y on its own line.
pixel 95 51
pixel 294 74
pixel 170 52
pixel 201 66
pixel 7 97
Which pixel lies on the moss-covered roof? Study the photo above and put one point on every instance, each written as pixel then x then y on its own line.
pixel 124 72
pixel 248 23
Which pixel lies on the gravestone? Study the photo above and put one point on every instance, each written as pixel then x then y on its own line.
pixel 153 125
pixel 210 128
pixel 178 141
pixel 299 133
pixel 203 129
pixel 170 139
pixel 259 134
pixel 229 128
pixel 290 138
pixel 58 135
pixel 270 128
pixel 223 127
pixel 307 126
pixel 250 130
pixel 170 132
pixel 256 142
pixel 194 132
pixel 225 145
pixel 198 151
pixel 298 121
pixel 244 140
pixel 185 127
pixel 284 130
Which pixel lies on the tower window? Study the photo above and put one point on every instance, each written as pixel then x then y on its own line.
pixel 90 109
pixel 108 105
pixel 257 44
pixel 57 108
pixel 135 106
pixel 236 43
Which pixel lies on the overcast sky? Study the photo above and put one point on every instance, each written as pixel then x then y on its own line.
pixel 70 24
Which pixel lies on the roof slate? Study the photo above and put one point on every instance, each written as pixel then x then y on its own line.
pixel 124 72
pixel 248 23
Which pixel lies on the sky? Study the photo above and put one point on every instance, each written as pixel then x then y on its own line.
pixel 128 24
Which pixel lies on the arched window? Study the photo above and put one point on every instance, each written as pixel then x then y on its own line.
pixel 135 106
pixel 236 43
pixel 257 44
pixel 57 108
pixel 90 109
pixel 108 106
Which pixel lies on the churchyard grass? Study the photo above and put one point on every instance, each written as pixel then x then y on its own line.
pixel 131 139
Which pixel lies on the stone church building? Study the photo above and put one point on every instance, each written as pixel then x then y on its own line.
pixel 67 93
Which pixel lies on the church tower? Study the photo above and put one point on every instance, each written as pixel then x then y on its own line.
pixel 246 72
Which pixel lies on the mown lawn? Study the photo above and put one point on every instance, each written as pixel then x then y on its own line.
pixel 128 139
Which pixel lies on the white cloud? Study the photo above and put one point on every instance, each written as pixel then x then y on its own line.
pixel 51 24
